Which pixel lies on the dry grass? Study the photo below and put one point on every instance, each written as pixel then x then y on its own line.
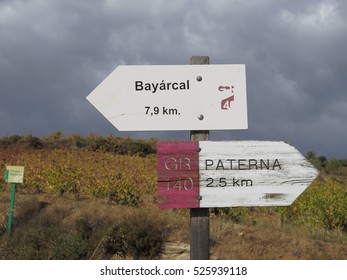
pixel 104 230
pixel 98 229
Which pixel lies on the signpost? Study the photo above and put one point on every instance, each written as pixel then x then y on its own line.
pixel 200 174
pixel 196 97
pixel 200 217
pixel 13 175
pixel 231 174
pixel 174 97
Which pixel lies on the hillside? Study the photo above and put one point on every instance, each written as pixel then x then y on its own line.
pixel 94 197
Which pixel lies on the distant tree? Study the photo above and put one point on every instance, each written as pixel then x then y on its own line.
pixel 311 157
pixel 78 140
pixel 333 166
pixel 14 139
pixel 56 135
pixel 323 161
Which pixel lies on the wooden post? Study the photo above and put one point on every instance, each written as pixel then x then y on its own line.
pixel 199 217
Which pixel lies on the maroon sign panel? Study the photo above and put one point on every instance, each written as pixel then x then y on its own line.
pixel 178 174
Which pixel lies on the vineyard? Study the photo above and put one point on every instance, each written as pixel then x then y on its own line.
pixel 122 173
pixel 95 166
pixel 125 179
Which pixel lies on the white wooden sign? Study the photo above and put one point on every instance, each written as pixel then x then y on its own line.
pixel 252 173
pixel 174 97
pixel 230 174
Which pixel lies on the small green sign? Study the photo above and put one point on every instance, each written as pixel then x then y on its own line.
pixel 14 174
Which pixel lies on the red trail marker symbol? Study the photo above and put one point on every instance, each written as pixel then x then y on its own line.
pixel 226 103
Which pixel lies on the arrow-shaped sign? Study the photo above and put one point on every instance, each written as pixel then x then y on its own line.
pixel 231 174
pixel 174 97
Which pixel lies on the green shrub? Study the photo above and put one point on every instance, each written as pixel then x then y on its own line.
pixel 24 211
pixel 115 242
pixel 141 148
pixel 68 246
pixel 237 214
pixel 136 235
pixel 37 242
pixel 84 228
pixel 144 235
pixel 322 205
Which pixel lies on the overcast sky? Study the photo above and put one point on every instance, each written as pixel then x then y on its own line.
pixel 53 53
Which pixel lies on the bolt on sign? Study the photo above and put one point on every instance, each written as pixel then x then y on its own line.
pixel 230 174
pixel 174 97
pixel 14 174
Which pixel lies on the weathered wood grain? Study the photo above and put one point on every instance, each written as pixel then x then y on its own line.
pixel 244 179
pixel 231 174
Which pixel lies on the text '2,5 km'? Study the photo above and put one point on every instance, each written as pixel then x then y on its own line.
pixel 204 174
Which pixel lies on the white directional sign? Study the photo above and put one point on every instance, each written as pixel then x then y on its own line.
pixel 231 174
pixel 252 173
pixel 174 97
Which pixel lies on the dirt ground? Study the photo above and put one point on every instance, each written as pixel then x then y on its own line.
pixel 275 244
pixel 267 240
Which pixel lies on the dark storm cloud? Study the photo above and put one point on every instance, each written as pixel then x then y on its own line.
pixel 54 53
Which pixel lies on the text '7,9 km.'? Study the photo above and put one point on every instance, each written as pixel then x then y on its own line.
pixel 161 110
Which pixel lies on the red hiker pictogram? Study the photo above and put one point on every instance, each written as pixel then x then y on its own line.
pixel 226 103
